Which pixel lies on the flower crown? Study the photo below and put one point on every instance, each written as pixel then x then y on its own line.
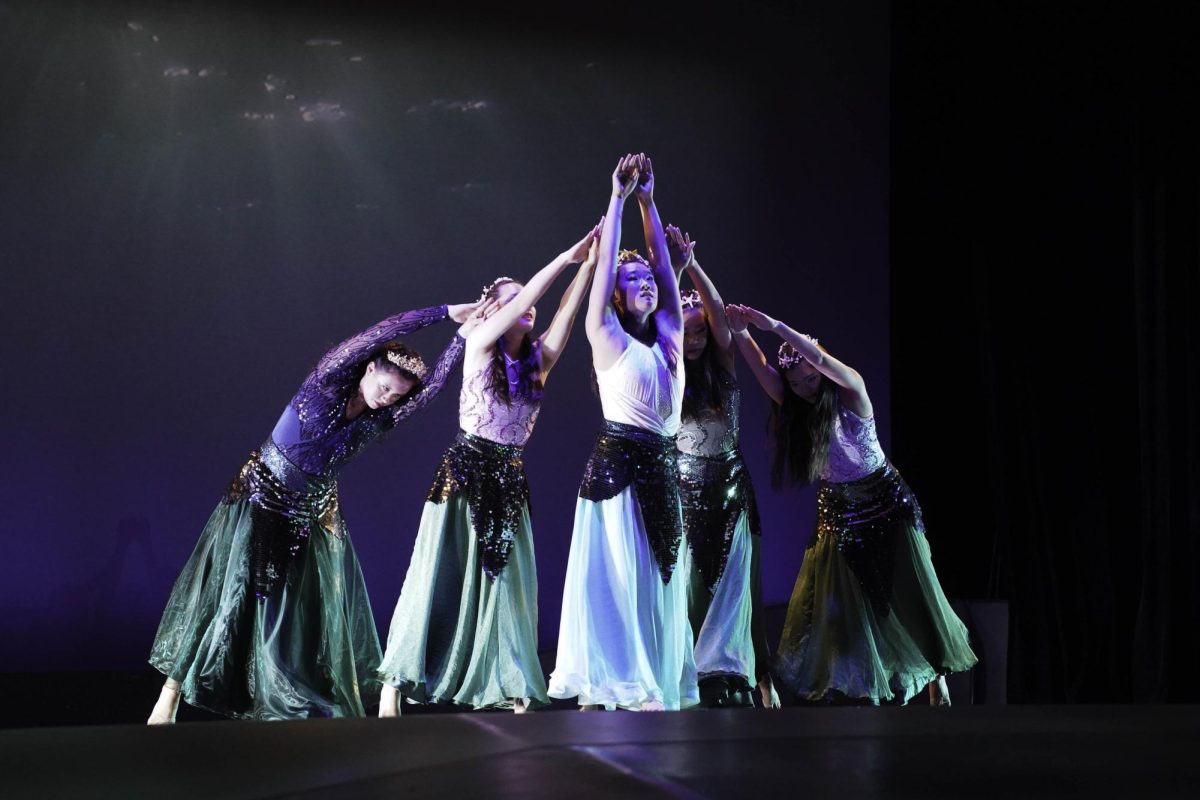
pixel 691 299
pixel 790 356
pixel 494 284
pixel 630 255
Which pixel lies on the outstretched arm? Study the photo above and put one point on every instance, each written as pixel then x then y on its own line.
pixel 852 387
pixel 472 315
pixel 768 378
pixel 355 349
pixel 602 326
pixel 714 308
pixel 433 383
pixel 669 316
pixel 554 340
pixel 494 327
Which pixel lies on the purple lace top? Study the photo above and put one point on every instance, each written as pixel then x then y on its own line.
pixel 480 413
pixel 313 431
pixel 854 450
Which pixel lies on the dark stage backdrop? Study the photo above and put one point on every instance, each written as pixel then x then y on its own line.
pixel 1046 348
pixel 197 199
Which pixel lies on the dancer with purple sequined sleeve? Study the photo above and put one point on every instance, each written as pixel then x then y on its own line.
pixel 624 639
pixel 465 627
pixel 269 618
pixel 868 621
pixel 720 516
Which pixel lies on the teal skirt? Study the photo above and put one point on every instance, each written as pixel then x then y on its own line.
pixel 464 631
pixel 868 621
pixel 305 646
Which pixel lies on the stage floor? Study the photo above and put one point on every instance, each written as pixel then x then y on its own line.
pixel 957 752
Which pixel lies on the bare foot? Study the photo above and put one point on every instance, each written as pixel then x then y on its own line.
pixel 520 705
pixel 939 692
pixel 591 707
pixel 652 705
pixel 167 705
pixel 766 689
pixel 389 702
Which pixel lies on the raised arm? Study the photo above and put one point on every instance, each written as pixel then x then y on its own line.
pixel 554 340
pixel 768 378
pixel 852 387
pixel 485 335
pixel 683 249
pixel 355 349
pixel 603 328
pixel 669 316
pixel 359 346
pixel 433 383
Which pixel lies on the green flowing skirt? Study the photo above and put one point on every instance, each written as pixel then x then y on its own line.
pixel 458 635
pixel 868 621
pixel 307 649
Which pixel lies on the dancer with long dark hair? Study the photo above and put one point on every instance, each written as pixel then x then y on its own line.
pixel 720 516
pixel 624 638
pixel 868 621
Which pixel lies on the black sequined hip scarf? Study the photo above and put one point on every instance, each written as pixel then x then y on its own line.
pixel 285 503
pixel 492 477
pixel 864 517
pixel 715 491
pixel 624 455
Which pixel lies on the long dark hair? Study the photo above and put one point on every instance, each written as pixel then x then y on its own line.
pixel 800 433
pixel 529 383
pixel 705 385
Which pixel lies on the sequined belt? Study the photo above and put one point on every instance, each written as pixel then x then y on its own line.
pixel 285 502
pixel 715 491
pixel 492 477
pixel 624 455
pixel 863 518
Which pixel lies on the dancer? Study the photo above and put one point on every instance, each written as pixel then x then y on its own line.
pixel 465 627
pixel 624 639
pixel 720 517
pixel 269 618
pixel 868 621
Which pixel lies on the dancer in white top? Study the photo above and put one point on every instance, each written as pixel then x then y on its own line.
pixel 624 638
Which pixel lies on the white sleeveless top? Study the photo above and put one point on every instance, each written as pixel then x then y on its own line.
pixel 639 389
